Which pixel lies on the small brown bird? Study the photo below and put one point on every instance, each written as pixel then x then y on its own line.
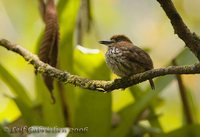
pixel 125 59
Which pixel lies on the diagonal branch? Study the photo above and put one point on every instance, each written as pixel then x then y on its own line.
pixel 191 40
pixel 99 85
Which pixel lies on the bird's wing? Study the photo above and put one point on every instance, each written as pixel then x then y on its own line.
pixel 137 55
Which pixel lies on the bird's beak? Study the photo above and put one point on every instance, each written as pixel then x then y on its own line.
pixel 106 42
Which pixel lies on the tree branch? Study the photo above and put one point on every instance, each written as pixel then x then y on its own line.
pixel 191 40
pixel 99 85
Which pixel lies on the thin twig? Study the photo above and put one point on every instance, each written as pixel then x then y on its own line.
pixel 99 85
pixel 191 40
pixel 184 99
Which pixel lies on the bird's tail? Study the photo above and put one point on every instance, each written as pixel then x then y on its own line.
pixel 152 84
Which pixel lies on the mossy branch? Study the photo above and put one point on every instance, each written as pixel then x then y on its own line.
pixel 98 85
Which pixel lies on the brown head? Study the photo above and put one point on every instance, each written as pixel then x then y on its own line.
pixel 115 39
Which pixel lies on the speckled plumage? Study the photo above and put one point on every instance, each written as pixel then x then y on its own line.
pixel 125 59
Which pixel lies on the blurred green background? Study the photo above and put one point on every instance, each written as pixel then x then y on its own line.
pixel 23 96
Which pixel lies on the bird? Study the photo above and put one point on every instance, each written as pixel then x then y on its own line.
pixel 126 59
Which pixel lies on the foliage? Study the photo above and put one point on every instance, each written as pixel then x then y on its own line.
pixel 80 108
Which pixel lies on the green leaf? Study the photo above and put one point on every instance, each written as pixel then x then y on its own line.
pixel 16 87
pixel 153 120
pixel 186 57
pixel 93 109
pixel 161 83
pixel 61 6
pixel 186 131
pixel 52 113
pixel 67 29
pixel 66 52
pixel 31 115
pixel 130 113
